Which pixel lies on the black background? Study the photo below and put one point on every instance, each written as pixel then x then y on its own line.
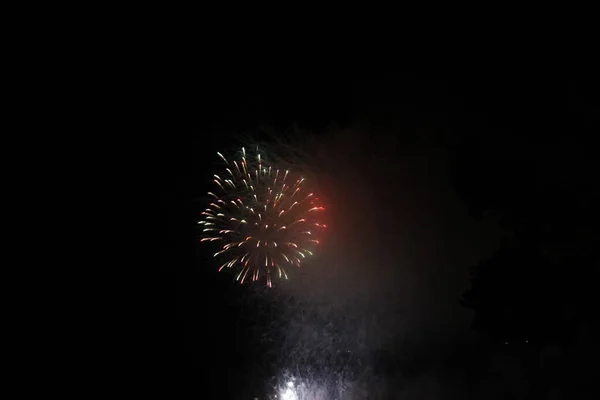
pixel 480 122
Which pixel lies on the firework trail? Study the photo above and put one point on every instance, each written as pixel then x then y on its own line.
pixel 264 219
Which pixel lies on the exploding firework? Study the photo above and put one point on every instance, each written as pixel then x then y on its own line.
pixel 263 218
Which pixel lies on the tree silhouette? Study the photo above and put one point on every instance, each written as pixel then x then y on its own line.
pixel 533 297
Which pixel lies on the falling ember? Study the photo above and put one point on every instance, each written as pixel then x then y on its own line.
pixel 219 183
pixel 211 239
pixel 257 208
pixel 221 155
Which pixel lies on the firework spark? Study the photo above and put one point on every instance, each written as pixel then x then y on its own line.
pixel 264 219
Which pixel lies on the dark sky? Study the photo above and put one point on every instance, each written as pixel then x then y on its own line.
pixel 408 168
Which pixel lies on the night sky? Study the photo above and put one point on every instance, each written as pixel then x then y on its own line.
pixel 425 182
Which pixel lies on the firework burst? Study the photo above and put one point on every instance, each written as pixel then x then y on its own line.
pixel 264 219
